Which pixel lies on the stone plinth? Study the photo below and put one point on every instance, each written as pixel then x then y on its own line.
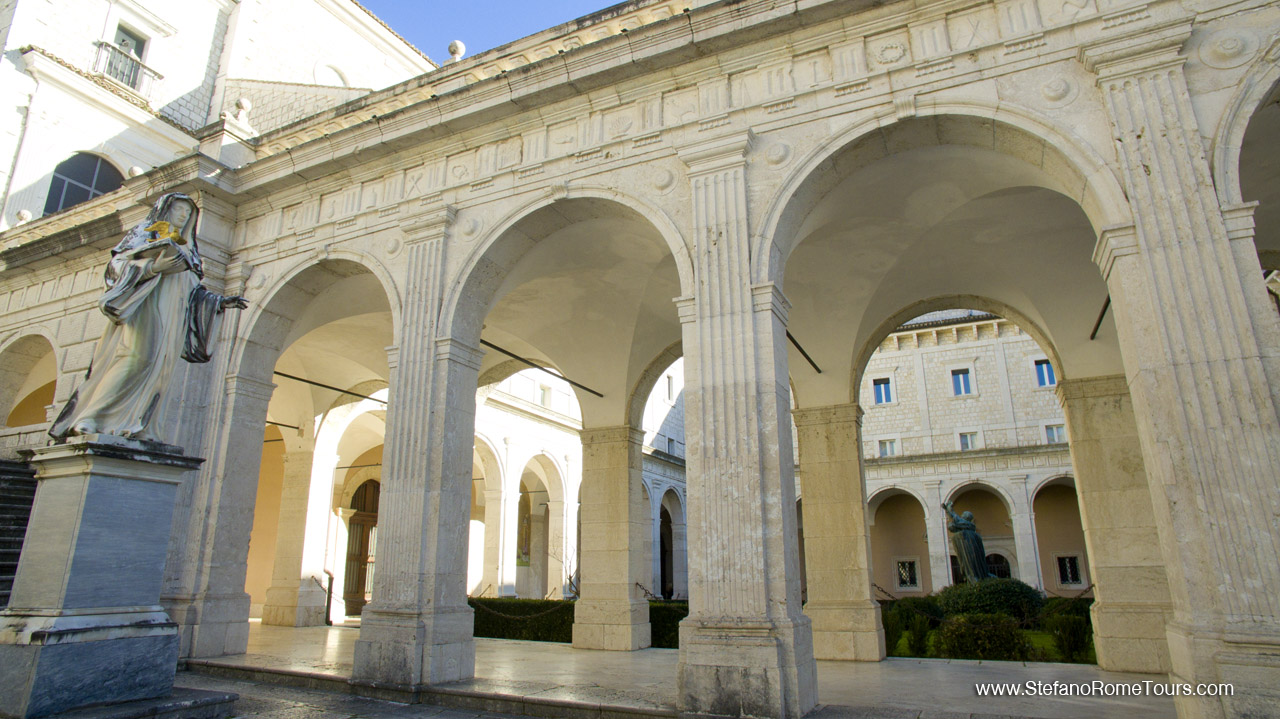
pixel 84 624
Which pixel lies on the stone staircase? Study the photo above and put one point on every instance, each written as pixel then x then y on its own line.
pixel 17 492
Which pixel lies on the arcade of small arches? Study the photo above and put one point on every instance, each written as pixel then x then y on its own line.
pixel 958 206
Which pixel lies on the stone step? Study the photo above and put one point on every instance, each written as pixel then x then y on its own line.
pixel 468 695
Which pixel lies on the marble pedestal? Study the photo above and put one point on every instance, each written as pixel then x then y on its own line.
pixel 84 624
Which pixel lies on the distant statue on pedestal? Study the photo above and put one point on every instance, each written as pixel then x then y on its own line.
pixel 967 544
pixel 159 312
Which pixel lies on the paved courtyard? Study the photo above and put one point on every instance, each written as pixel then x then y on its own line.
pixel 645 681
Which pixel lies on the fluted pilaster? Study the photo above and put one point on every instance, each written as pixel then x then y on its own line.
pixel 1205 410
pixel 745 649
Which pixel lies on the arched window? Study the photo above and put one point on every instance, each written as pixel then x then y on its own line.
pixel 80 178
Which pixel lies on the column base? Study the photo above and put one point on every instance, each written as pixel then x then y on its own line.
pixel 212 625
pixel 745 668
pixel 1131 637
pixel 300 606
pixel 50 664
pixel 613 625
pixel 1248 659
pixel 410 650
pixel 846 631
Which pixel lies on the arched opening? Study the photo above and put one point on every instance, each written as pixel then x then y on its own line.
pixel 1064 557
pixel 362 540
pixel 533 517
pixel 992 517
pixel 899 544
pixel 581 289
pixel 319 338
pixel 673 573
pixel 28 378
pixel 1260 180
pixel 80 178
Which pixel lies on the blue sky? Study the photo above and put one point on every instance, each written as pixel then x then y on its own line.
pixel 480 24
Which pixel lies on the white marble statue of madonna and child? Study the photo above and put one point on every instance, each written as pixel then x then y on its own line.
pixel 158 311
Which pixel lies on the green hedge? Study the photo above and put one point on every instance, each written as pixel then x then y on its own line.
pixel 982 636
pixel 1066 607
pixel 550 620
pixel 992 596
pixel 664 622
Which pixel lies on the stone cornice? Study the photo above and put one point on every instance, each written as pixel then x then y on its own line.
pixel 1113 243
pixel 1147 48
pixel 605 435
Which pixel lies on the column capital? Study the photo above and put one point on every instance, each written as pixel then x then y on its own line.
pixel 686 309
pixel 1092 387
pixel 768 295
pixel 454 350
pixel 718 153
pixel 604 435
pixel 832 414
pixel 1114 242
pixel 250 387
pixel 393 356
pixel 1239 220
pixel 1147 49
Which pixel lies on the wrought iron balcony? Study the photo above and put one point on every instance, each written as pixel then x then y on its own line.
pixel 122 67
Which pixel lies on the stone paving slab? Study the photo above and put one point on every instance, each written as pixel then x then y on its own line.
pixel 183 703
pixel 549 679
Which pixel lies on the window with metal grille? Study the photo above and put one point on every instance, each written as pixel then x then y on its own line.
pixel 907 576
pixel 1069 570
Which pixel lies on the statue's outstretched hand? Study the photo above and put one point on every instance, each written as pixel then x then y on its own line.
pixel 236 302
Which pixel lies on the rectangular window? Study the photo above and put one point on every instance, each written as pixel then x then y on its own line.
pixel 1044 374
pixel 960 383
pixel 671 446
pixel 671 388
pixel 544 395
pixel 883 390
pixel 907 576
pixel 1055 434
pixel 1069 571
pixel 968 441
pixel 888 447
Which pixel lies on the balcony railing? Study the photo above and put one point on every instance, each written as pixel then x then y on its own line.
pixel 125 69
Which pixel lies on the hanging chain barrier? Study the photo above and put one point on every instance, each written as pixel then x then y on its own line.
pixel 476 605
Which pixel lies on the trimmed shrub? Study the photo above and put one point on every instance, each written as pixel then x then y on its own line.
pixel 992 596
pixel 1071 635
pixel 539 620
pixel 1065 606
pixel 982 636
pixel 664 623
pixel 918 635
pixel 892 622
pixel 920 605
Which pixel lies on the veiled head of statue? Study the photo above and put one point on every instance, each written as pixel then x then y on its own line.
pixel 967 516
pixel 180 211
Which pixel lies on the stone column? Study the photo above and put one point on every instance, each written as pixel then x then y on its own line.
pixel 494 528
pixel 679 561
pixel 84 624
pixel 342 536
pixel 612 612
pixel 1024 537
pixel 746 648
pixel 1130 585
pixel 555 549
pixel 418 628
pixel 1205 411
pixel 935 527
pixel 294 599
pixel 842 607
pixel 212 608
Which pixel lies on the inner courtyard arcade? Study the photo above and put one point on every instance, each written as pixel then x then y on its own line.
pixel 724 184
